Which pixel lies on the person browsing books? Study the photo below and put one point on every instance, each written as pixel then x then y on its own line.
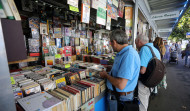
pixel 125 71
pixel 145 56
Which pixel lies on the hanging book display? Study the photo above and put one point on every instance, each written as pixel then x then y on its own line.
pixel 34 22
pixel 67 41
pixel 34 45
pixel 85 15
pixel 114 13
pixel 35 33
pixel 57 33
pixel 109 11
pixel 121 8
pixel 43 28
pixel 68 51
pixel 101 16
pixel 128 21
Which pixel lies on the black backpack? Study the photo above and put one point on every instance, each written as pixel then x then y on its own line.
pixel 154 72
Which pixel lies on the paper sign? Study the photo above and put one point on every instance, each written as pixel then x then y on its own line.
pixel 57 56
pixel 101 16
pixel 74 9
pixel 12 80
pixel 67 65
pixel 74 3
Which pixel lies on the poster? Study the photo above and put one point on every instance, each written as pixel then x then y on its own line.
pixel 128 23
pixel 34 23
pixel 57 33
pixel 101 16
pixel 114 13
pixel 121 8
pixel 73 3
pixel 115 3
pixel 128 13
pixel 109 10
pixel 85 16
pixel 108 24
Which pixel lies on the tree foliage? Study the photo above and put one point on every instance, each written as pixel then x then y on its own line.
pixel 181 28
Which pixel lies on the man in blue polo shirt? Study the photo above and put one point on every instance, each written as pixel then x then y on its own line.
pixel 125 71
pixel 145 56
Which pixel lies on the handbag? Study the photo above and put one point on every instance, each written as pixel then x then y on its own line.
pixel 127 105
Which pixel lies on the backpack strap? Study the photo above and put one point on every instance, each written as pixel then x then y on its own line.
pixel 153 54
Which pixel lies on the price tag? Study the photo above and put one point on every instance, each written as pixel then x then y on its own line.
pixel 12 80
pixel 74 9
pixel 67 65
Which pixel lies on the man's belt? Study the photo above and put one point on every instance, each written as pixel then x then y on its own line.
pixel 121 93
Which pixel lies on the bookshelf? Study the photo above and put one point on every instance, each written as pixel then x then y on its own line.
pixel 29 59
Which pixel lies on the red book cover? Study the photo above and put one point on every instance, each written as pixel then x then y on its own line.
pixel 68 51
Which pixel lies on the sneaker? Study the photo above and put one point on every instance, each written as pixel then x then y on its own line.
pixel 186 65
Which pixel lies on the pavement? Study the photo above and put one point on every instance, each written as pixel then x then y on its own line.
pixel 177 95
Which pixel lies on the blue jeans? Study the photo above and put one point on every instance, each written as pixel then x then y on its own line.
pixel 112 102
pixel 187 53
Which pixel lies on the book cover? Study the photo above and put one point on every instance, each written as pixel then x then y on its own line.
pixel 43 28
pixel 34 45
pixel 60 82
pixel 49 61
pixel 83 34
pixel 78 50
pixel 35 33
pixel 68 51
pixel 114 13
pixel 77 41
pixel 57 33
pixel 68 31
pixel 121 8
pixel 72 41
pixel 40 101
pixel 89 106
pixel 58 42
pixel 67 41
pixel 34 22
pixel 89 34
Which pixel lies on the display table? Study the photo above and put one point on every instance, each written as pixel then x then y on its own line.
pixel 101 102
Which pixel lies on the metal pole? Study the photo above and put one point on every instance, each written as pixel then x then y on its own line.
pixel 135 22
pixel 6 97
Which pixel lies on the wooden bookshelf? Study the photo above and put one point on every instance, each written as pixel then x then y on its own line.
pixel 29 59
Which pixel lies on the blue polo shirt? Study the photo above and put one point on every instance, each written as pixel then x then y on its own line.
pixel 126 65
pixel 146 55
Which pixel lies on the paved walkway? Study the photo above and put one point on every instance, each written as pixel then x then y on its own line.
pixel 177 95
